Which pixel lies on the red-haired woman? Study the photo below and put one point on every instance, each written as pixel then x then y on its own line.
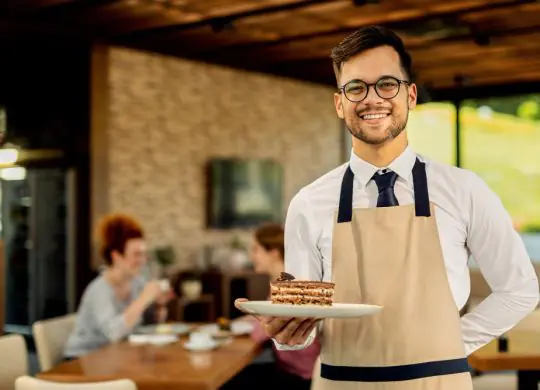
pixel 118 299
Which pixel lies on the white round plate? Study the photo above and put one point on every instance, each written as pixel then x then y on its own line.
pixel 337 310
pixel 155 339
pixel 200 347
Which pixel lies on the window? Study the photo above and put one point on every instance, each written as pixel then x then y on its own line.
pixel 501 143
pixel 432 131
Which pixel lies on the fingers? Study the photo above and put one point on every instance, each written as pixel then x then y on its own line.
pixel 274 326
pixel 287 334
pixel 237 303
pixel 303 331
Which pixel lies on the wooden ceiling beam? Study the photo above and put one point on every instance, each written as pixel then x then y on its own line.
pixel 481 69
pixel 319 48
pixel 525 44
pixel 258 8
pixel 435 10
pixel 488 80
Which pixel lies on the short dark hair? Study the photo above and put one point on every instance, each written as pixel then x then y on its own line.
pixel 271 236
pixel 368 38
pixel 114 231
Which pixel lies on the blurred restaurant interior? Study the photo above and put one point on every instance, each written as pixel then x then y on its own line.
pixel 202 119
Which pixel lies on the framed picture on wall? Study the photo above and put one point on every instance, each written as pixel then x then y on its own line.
pixel 243 193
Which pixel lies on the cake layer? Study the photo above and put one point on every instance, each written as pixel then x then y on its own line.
pixel 301 300
pixel 306 284
pixel 316 292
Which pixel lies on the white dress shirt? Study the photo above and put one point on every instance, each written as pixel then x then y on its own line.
pixel 471 220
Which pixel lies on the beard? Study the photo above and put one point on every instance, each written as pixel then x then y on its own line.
pixel 354 125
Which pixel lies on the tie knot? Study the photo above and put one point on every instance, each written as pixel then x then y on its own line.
pixel 386 180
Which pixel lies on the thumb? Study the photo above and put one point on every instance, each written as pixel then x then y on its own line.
pixel 237 303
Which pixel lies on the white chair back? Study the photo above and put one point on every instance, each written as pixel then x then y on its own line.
pixel 13 360
pixel 50 337
pixel 29 383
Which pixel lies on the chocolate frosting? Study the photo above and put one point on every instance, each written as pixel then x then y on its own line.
pixel 285 277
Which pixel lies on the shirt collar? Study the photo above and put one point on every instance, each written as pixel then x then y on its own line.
pixel 402 165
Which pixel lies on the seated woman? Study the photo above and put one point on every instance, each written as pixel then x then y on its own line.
pixel 292 369
pixel 117 300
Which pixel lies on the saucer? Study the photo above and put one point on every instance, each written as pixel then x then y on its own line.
pixel 201 347
pixel 155 339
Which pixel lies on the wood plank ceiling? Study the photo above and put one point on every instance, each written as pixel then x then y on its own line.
pixel 476 42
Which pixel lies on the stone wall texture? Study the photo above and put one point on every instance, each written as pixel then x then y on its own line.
pixel 167 117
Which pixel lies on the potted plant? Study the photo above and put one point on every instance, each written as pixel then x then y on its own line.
pixel 164 256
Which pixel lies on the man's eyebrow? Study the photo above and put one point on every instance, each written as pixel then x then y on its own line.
pixel 380 77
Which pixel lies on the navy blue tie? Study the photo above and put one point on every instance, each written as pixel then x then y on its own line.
pixel 385 183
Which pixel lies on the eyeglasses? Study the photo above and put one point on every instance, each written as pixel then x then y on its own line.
pixel 386 88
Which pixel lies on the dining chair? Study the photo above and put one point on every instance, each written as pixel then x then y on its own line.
pixel 13 360
pixel 50 337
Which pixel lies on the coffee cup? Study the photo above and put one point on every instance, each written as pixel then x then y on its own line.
pixel 200 338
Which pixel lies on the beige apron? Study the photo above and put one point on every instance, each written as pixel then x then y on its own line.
pixel 392 257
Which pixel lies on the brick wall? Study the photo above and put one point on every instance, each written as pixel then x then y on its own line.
pixel 162 118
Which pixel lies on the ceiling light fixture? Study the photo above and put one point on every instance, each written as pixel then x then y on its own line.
pixel 481 39
pixel 360 3
pixel 8 156
pixel 220 25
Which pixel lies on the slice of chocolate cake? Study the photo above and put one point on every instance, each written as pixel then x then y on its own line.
pixel 287 290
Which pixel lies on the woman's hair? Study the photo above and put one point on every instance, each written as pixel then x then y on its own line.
pixel 271 236
pixel 114 231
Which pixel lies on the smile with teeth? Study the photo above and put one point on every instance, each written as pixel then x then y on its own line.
pixel 374 116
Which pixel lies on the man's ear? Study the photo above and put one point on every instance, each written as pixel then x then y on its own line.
pixel 413 95
pixel 338 102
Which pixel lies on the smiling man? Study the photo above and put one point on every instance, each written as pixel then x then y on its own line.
pixel 393 228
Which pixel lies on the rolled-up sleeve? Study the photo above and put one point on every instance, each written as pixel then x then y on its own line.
pixel 504 263
pixel 302 257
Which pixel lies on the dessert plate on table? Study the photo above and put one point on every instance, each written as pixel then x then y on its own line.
pixel 337 310
pixel 177 328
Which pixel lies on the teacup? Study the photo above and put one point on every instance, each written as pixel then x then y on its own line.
pixel 200 338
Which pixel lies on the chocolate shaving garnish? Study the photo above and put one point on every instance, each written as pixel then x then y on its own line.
pixel 284 277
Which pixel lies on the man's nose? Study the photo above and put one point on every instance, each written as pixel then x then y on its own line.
pixel 372 96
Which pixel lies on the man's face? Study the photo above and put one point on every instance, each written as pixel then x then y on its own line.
pixel 386 118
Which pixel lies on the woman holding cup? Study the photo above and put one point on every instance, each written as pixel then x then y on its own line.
pixel 119 299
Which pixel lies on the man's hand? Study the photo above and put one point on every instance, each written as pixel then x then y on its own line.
pixel 285 330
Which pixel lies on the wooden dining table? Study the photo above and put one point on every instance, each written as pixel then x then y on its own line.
pixel 165 367
pixel 522 356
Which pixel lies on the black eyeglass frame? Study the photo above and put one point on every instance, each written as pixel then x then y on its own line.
pixel 374 85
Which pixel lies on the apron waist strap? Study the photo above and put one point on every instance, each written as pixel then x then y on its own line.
pixel 394 373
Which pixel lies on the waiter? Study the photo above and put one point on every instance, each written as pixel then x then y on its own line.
pixel 395 229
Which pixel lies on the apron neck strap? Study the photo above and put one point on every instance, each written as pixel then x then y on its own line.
pixel 421 194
